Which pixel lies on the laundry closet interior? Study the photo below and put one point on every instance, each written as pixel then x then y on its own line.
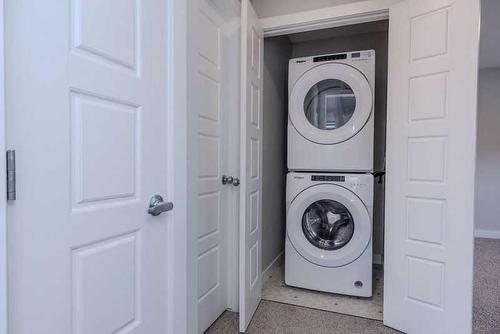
pixel 366 40
pixel 290 139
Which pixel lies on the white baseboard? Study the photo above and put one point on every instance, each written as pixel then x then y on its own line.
pixel 273 262
pixel 377 259
pixel 490 234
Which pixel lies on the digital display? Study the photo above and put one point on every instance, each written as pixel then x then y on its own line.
pixel 355 55
pixel 330 57
pixel 328 178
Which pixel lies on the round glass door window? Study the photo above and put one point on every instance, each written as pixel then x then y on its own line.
pixel 329 104
pixel 327 224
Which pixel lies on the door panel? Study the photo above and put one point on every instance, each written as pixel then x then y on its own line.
pixel 212 163
pixel 250 164
pixel 433 52
pixel 86 109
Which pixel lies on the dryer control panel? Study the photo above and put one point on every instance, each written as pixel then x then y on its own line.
pixel 356 55
pixel 330 57
pixel 328 178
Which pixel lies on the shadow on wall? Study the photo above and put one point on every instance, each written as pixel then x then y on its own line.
pixel 487 210
pixel 277 52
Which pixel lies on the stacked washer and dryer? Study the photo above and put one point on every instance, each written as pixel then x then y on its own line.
pixel 330 183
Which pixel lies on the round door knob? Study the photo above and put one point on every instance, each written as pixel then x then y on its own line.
pixel 236 182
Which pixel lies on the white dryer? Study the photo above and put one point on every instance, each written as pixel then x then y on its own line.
pixel 330 108
pixel 329 232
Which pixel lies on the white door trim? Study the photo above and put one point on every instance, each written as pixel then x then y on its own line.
pixel 489 234
pixel 3 222
pixel 335 16
pixel 180 234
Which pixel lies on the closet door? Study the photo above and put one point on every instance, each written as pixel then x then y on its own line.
pixel 433 68
pixel 250 164
pixel 212 195
pixel 93 246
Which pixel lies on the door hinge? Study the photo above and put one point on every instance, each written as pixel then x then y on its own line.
pixel 11 175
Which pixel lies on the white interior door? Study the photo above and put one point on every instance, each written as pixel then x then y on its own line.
pixel 212 203
pixel 250 164
pixel 87 115
pixel 431 136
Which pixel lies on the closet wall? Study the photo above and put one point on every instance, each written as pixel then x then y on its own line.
pixel 277 52
pixel 487 210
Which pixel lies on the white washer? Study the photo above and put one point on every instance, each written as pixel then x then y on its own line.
pixel 329 232
pixel 330 108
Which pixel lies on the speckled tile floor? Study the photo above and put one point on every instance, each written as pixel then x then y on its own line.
pixel 274 289
pixel 278 318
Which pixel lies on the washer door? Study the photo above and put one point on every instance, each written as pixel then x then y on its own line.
pixel 328 225
pixel 330 103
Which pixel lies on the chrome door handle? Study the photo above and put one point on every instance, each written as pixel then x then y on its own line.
pixel 157 205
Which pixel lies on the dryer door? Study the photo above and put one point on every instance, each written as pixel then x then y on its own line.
pixel 329 225
pixel 330 103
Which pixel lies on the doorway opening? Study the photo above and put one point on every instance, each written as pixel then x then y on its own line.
pixel 275 202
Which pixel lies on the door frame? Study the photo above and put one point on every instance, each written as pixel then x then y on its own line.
pixel 181 229
pixel 3 188
pixel 335 16
pixel 328 17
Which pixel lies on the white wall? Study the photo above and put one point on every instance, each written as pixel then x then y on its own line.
pixel 487 197
pixel 277 52
pixel 267 8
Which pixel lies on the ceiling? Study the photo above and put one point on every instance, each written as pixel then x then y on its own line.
pixel 267 8
pixel 489 55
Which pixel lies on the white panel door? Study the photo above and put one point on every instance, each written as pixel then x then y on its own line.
pixel 433 67
pixel 87 116
pixel 250 164
pixel 212 203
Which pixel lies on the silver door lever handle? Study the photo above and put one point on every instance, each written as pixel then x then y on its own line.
pixel 157 205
